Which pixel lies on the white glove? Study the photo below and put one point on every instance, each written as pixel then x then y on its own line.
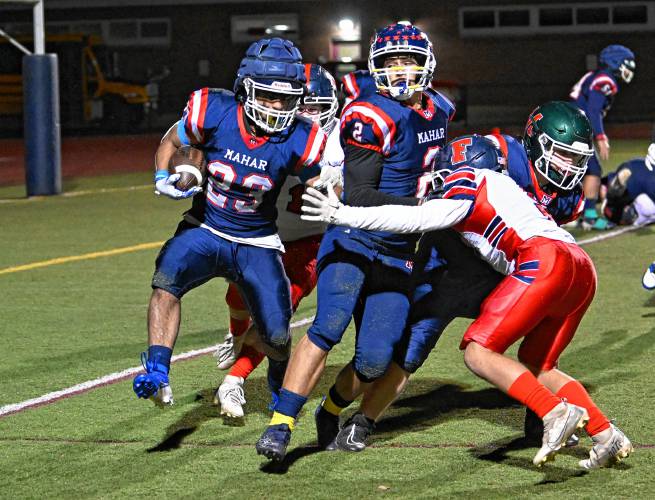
pixel 166 186
pixel 330 175
pixel 319 207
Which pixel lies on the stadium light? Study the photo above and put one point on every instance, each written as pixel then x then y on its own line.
pixel 346 25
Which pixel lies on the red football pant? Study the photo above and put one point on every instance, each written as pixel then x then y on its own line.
pixel 543 301
pixel 299 261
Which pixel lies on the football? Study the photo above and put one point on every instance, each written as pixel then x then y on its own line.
pixel 190 163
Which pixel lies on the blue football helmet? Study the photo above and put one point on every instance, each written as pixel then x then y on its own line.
pixel 321 95
pixel 272 71
pixel 619 60
pixel 397 40
pixel 473 151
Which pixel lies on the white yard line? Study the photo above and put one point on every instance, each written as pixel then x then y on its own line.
pixel 115 377
pixel 112 378
pixel 609 234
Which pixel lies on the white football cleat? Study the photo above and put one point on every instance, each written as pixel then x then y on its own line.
pixel 231 397
pixel 559 424
pixel 164 397
pixel 225 355
pixel 648 280
pixel 228 351
pixel 610 447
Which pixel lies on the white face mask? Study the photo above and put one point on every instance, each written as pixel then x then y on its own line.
pixel 401 81
pixel 627 70
pixel 272 107
pixel 650 157
pixel 321 110
pixel 562 164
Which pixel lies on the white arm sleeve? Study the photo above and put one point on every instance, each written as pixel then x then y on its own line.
pixel 645 209
pixel 433 215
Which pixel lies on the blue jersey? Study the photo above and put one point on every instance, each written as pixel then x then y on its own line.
pixel 408 140
pixel 563 206
pixel 245 172
pixel 594 94
pixel 357 84
pixel 641 181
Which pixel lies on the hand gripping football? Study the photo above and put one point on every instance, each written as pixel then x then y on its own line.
pixel 190 163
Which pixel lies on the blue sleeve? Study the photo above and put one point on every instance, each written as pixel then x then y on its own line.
pixel 309 144
pixel 595 107
pixel 202 114
pixel 366 125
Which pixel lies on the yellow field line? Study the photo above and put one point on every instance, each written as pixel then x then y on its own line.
pixel 86 256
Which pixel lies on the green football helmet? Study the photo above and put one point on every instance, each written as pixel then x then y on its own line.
pixel 559 141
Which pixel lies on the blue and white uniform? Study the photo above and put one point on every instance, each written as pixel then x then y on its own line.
pixel 230 230
pixel 639 190
pixel 366 273
pixel 594 94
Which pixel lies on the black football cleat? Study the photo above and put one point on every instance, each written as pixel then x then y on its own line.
pixel 354 434
pixel 327 428
pixel 273 443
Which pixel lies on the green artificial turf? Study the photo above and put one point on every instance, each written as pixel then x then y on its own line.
pixel 449 435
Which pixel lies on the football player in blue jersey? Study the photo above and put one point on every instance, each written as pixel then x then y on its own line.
pixel 252 141
pixel 390 139
pixel 449 277
pixel 594 94
pixel 301 241
pixel 629 192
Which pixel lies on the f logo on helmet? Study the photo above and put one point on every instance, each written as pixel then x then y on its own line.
pixel 459 148
pixel 531 121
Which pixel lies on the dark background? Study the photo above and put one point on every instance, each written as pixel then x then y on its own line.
pixel 506 75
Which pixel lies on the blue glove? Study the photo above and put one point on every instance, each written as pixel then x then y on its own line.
pixel 165 184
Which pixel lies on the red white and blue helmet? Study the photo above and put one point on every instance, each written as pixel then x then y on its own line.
pixel 619 60
pixel 396 40
pixel 321 91
pixel 272 68
pixel 474 151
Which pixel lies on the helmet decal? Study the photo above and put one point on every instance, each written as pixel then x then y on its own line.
pixel 558 140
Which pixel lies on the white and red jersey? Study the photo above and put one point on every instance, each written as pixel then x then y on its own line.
pixel 289 201
pixel 491 212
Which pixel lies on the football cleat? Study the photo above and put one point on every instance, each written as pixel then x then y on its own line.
pixel 274 441
pixel 597 224
pixel 164 397
pixel 559 424
pixel 591 221
pixel 354 434
pixel 227 351
pixel 648 279
pixel 533 427
pixel 153 384
pixel 327 428
pixel 608 449
pixel 231 397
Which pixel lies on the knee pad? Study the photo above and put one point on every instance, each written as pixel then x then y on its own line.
pixel 421 339
pixel 325 342
pixel 373 365
pixel 327 331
